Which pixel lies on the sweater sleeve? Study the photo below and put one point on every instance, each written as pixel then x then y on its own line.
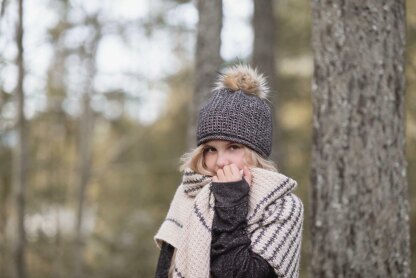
pixel 165 258
pixel 231 254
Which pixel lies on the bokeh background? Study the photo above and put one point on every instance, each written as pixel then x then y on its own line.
pixel 135 58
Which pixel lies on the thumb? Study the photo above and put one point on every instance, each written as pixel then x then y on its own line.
pixel 247 175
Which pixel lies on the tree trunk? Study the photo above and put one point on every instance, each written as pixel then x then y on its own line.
pixel 21 156
pixel 4 217
pixel 85 148
pixel 359 205
pixel 56 121
pixel 207 59
pixel 3 5
pixel 83 179
pixel 264 58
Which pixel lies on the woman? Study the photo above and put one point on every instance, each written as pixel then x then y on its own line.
pixel 233 215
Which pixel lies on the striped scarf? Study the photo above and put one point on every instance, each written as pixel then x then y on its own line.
pixel 274 219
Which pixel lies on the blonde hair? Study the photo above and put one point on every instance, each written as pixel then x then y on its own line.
pixel 195 160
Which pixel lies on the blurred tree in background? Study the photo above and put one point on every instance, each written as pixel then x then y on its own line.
pixel 264 59
pixel 207 59
pixel 20 159
pixel 135 60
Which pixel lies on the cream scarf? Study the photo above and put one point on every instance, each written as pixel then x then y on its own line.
pixel 274 218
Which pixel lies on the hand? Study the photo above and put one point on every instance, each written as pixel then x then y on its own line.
pixel 230 173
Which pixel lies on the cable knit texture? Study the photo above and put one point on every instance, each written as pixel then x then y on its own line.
pixel 274 219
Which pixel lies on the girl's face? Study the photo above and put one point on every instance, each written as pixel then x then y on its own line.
pixel 218 153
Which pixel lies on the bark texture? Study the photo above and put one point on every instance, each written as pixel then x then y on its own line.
pixel 207 59
pixel 359 205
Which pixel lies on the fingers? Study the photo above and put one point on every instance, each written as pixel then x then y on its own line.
pixel 247 175
pixel 229 173
pixel 234 171
pixel 221 175
pixel 246 172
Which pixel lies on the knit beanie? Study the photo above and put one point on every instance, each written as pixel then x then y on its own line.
pixel 238 111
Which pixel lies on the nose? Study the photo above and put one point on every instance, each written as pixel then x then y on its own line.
pixel 222 160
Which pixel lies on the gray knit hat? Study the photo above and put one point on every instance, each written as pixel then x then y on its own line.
pixel 238 111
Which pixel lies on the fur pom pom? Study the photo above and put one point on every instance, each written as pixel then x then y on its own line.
pixel 244 78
